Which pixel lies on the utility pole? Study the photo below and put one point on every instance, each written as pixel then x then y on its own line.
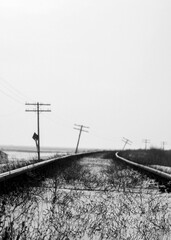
pixel 80 128
pixel 146 141
pixel 163 144
pixel 36 137
pixel 126 141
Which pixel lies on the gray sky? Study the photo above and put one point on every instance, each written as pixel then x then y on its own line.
pixel 103 64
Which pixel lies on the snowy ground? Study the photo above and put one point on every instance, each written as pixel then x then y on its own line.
pixel 91 199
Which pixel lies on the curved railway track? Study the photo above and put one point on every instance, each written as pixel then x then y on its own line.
pixel 145 168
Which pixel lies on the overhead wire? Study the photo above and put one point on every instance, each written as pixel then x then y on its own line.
pixel 12 97
pixel 69 126
pixel 13 88
pixel 16 95
pixel 9 91
pixel 12 92
pixel 64 123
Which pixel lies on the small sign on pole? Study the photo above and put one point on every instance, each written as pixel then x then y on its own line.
pixel 35 136
pixel 36 139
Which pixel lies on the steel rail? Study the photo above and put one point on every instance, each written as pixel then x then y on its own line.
pixel 146 168
pixel 18 171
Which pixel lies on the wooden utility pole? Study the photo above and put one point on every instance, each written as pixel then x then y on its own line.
pixel 146 141
pixel 126 141
pixel 36 137
pixel 163 144
pixel 80 128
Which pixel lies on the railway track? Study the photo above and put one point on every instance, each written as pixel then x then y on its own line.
pixel 94 196
pixel 19 171
pixel 145 168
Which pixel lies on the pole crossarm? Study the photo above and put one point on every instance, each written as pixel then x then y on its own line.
pixel 35 110
pixel 28 110
pixel 44 104
pixel 40 104
pixel 82 130
pixel 81 126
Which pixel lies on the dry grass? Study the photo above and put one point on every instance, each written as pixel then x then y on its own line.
pixel 76 204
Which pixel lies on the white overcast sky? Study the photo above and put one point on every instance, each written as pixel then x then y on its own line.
pixel 103 64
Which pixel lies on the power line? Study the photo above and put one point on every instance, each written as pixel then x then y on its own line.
pixel 5 84
pixel 12 97
pixel 80 128
pixel 63 122
pixel 13 91
pixel 36 136
pixel 10 91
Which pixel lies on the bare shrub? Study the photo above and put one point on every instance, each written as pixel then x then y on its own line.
pixel 117 203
